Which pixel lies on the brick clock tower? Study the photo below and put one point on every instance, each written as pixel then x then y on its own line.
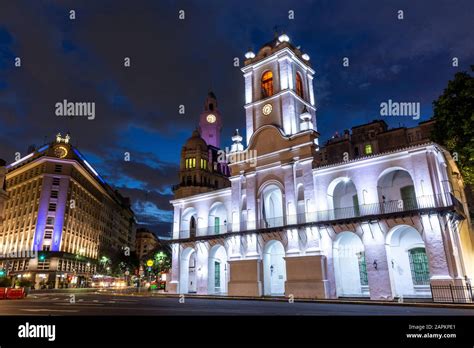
pixel 210 122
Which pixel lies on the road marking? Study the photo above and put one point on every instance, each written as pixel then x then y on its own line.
pixel 95 300
pixel 77 304
pixel 55 299
pixel 48 310
pixel 80 300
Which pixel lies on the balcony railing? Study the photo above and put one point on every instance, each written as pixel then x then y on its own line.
pixel 362 210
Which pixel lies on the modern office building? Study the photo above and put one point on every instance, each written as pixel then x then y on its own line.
pixel 61 217
pixel 388 219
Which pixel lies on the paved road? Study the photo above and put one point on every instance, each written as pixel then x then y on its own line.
pixel 110 304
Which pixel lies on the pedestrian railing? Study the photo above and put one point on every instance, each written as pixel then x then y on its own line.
pixel 452 293
pixel 361 210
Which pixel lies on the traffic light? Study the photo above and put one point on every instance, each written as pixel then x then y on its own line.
pixel 42 257
pixel 2 273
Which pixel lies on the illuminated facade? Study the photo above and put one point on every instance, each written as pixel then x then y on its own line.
pixel 62 210
pixel 384 224
pixel 3 192
pixel 145 242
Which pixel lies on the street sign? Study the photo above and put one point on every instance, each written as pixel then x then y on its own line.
pixel 149 263
pixel 127 273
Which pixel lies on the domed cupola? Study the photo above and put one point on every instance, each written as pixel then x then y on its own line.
pixel 196 142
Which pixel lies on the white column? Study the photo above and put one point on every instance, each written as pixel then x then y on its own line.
pixel 437 246
pixel 202 258
pixel 249 97
pixel 251 242
pixel 289 194
pixel 310 86
pixel 326 245
pixel 235 202
pixel 252 215
pixel 173 286
pixel 378 274
pixel 309 193
pixel 176 222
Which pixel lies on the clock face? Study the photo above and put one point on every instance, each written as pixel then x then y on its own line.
pixel 60 151
pixel 211 118
pixel 267 109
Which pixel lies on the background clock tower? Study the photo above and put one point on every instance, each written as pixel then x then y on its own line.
pixel 210 122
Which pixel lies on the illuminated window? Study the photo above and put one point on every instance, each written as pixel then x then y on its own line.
pixel 299 85
pixel 193 163
pixel 267 84
pixel 368 149
pixel 187 164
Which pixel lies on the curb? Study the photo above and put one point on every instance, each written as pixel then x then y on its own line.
pixel 302 300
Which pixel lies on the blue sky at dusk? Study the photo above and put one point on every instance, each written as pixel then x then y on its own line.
pixel 175 62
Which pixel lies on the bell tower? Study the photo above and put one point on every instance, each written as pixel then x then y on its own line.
pixel 279 88
pixel 210 122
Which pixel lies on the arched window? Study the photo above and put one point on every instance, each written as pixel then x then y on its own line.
pixel 192 227
pixel 299 85
pixel 267 84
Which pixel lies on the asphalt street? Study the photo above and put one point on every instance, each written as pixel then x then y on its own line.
pixel 59 304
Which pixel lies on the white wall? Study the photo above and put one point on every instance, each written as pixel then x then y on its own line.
pixel 346 264
pixel 218 254
pixel 402 240
pixel 274 283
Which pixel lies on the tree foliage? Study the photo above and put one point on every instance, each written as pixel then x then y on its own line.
pixel 454 127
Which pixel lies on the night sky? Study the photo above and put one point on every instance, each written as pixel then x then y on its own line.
pixel 175 62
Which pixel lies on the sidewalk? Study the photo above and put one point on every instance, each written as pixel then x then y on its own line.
pixel 408 302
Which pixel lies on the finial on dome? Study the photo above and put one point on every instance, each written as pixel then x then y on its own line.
pixel 237 139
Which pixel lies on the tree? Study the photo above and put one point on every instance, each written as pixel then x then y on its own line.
pixel 162 261
pixel 454 127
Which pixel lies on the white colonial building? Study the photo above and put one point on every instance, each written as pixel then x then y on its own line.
pixel 381 226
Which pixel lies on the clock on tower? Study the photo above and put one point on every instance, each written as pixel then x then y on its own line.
pixel 210 123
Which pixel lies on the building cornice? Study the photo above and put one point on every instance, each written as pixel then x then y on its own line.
pixel 202 196
pixel 277 55
pixel 363 161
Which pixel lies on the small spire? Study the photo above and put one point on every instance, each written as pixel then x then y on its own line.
pixel 237 139
pixel 306 117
